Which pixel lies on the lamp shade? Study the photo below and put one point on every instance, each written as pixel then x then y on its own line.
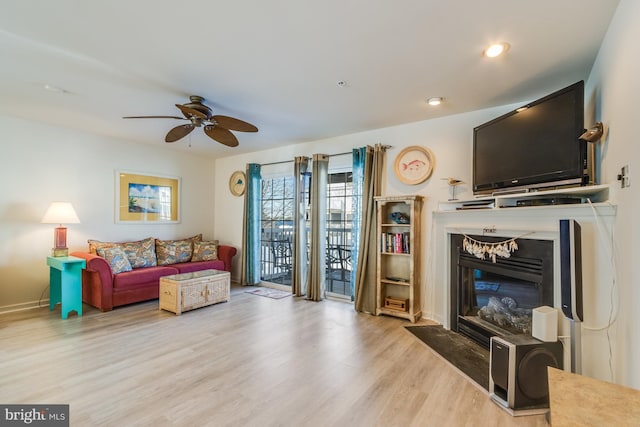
pixel 60 213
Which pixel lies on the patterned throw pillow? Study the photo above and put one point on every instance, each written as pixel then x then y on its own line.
pixel 94 245
pixel 141 253
pixel 205 251
pixel 174 251
pixel 116 258
pixel 196 238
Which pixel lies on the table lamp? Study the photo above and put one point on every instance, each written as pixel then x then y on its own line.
pixel 60 213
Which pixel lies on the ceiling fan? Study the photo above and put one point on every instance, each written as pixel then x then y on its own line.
pixel 198 114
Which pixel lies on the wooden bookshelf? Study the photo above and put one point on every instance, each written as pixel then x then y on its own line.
pixel 398 275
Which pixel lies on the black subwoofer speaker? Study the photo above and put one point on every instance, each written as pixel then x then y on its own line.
pixel 518 370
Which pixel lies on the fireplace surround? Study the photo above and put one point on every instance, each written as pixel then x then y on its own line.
pixel 506 221
pixel 497 298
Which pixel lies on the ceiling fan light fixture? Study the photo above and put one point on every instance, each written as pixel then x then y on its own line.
pixel 496 49
pixel 198 114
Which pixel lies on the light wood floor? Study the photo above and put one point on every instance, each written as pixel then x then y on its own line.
pixel 253 361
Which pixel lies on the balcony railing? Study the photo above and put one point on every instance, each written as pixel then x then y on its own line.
pixel 276 257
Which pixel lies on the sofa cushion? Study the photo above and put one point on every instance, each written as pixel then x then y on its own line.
pixel 116 258
pixel 205 251
pixel 175 251
pixel 94 245
pixel 141 277
pixel 141 253
pixel 189 267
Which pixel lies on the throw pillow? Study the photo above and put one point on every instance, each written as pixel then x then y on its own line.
pixel 173 251
pixel 116 258
pixel 205 251
pixel 94 245
pixel 141 253
pixel 176 251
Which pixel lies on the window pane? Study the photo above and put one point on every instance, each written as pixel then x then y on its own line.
pixel 277 229
pixel 339 214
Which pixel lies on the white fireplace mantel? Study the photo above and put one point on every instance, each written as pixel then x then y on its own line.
pixel 540 222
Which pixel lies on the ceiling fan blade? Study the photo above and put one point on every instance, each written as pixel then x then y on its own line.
pixel 234 124
pixel 179 132
pixel 221 135
pixel 191 112
pixel 154 117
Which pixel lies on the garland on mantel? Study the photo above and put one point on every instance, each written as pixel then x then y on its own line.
pixel 492 250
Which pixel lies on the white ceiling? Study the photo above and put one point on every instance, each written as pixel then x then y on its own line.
pixel 276 63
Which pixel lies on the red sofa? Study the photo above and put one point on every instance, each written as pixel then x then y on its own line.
pixel 105 290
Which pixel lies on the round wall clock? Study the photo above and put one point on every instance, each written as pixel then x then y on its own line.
pixel 414 165
pixel 237 183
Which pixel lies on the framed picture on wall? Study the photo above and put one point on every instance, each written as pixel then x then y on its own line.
pixel 147 199
pixel 414 165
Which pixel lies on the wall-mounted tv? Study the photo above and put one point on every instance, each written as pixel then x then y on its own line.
pixel 534 146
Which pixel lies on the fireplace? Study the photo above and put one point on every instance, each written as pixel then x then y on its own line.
pixel 497 298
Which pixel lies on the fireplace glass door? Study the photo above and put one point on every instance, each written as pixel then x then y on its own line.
pixel 503 302
pixel 497 298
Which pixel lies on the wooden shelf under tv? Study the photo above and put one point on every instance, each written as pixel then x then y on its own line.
pixel 594 193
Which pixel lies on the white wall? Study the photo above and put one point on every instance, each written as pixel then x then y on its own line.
pixel 450 139
pixel 612 92
pixel 40 164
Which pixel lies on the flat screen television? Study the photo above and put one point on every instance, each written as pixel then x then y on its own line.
pixel 534 146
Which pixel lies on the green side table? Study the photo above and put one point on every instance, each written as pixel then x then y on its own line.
pixel 65 283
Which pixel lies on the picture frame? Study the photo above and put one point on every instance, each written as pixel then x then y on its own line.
pixel 147 199
pixel 414 165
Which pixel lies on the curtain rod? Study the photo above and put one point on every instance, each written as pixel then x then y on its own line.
pixel 340 154
pixel 276 163
pixel 330 155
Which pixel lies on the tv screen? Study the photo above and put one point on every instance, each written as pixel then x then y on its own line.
pixel 534 146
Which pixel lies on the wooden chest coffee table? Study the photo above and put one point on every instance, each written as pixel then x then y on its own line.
pixel 187 291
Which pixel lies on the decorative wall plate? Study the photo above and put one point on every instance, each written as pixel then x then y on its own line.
pixel 237 183
pixel 414 165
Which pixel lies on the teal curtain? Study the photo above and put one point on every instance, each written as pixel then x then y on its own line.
pixel 358 156
pixel 250 274
pixel 300 258
pixel 317 254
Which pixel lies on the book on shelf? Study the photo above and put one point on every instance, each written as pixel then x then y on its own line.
pixel 395 243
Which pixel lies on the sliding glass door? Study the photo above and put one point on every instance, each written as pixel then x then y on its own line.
pixel 276 240
pixel 339 223
pixel 276 230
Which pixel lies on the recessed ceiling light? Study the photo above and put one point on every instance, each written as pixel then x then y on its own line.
pixel 341 83
pixel 435 101
pixel 52 88
pixel 496 49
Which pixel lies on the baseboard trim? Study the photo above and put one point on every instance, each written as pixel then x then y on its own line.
pixel 29 305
